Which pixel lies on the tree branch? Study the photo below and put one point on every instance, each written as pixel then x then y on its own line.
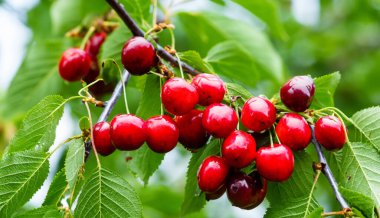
pixel 327 172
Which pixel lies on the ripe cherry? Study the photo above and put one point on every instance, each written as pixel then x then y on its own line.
pixel 212 174
pixel 217 194
pixel 138 56
pixel 330 133
pixel 178 96
pixel 102 138
pixel 94 43
pixel 246 191
pixel 127 132
pixel 293 131
pixel 297 94
pixel 192 135
pixel 162 133
pixel 258 114
pixel 275 163
pixel 210 88
pixel 74 64
pixel 219 120
pixel 239 149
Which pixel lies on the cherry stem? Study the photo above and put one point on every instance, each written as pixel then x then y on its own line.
pixel 161 106
pixel 136 31
pixel 270 138
pixel 327 171
pixel 154 20
pixel 87 37
pixel 124 91
pixel 92 134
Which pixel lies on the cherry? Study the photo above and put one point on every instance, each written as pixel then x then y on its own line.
pixel 297 94
pixel 178 96
pixel 330 133
pixel 293 131
pixel 217 194
pixel 138 56
pixel 275 163
pixel 102 138
pixel 210 88
pixel 94 43
pixel 219 120
pixel 239 149
pixel 192 135
pixel 246 191
pixel 127 132
pixel 74 64
pixel 258 114
pixel 162 133
pixel 212 174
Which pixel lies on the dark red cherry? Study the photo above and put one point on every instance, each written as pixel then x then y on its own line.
pixel 178 96
pixel 192 135
pixel 94 43
pixel 74 64
pixel 217 194
pixel 297 94
pixel 246 191
pixel 138 56
pixel 210 88
pixel 212 174
pixel 219 120
pixel 258 114
pixel 239 149
pixel 293 131
pixel 128 132
pixel 275 163
pixel 162 133
pixel 102 138
pixel 330 133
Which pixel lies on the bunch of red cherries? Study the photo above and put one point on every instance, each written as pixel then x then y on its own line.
pixel 200 114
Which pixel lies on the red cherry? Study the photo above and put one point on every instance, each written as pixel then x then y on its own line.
pixel 162 133
pixel 74 64
pixel 217 194
pixel 192 135
pixel 239 149
pixel 246 191
pixel 258 114
pixel 275 163
pixel 102 138
pixel 293 131
pixel 219 120
pixel 330 133
pixel 210 88
pixel 94 43
pixel 212 174
pixel 127 132
pixel 297 94
pixel 178 96
pixel 138 56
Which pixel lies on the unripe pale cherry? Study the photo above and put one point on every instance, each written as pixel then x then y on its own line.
pixel 210 88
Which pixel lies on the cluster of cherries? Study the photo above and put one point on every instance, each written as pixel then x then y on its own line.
pixel 198 113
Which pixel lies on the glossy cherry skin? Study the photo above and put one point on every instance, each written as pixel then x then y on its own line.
pixel 95 42
pixel 246 191
pixel 217 194
pixel 210 88
pixel 128 132
pixel 275 163
pixel 162 133
pixel 178 96
pixel 102 138
pixel 297 94
pixel 74 64
pixel 138 56
pixel 219 120
pixel 239 149
pixel 212 174
pixel 192 135
pixel 258 114
pixel 293 131
pixel 330 133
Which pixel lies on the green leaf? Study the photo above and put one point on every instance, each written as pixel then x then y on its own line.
pixel 84 123
pixel 56 190
pixel 324 90
pixel 193 200
pixel 42 212
pixel 238 90
pixel 140 11
pixel 110 71
pixel 74 161
pixel 355 199
pixel 145 161
pixel 195 60
pixel 107 195
pixel 111 48
pixel 296 208
pixel 38 128
pixel 21 175
pixel 36 78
